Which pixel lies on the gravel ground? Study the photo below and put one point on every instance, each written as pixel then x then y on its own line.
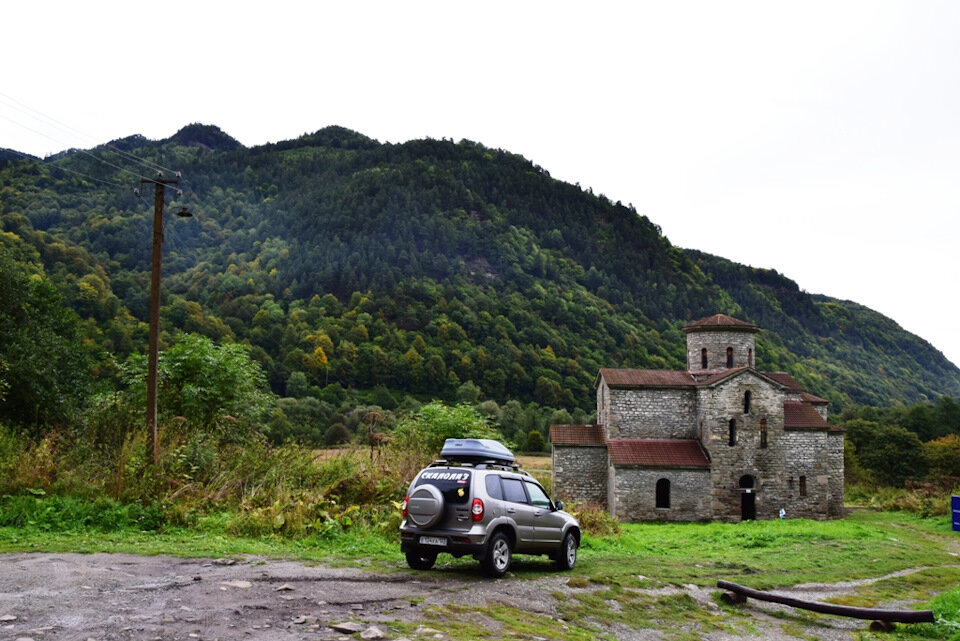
pixel 126 597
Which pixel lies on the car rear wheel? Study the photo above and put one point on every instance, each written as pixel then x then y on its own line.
pixel 421 560
pixel 567 555
pixel 498 557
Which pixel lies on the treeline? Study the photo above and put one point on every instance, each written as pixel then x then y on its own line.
pixel 368 273
pixel 55 373
pixel 903 444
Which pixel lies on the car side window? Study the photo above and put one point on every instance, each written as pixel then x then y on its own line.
pixel 493 487
pixel 538 497
pixel 513 490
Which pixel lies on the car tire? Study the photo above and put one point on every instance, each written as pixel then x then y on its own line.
pixel 425 506
pixel 497 560
pixel 421 560
pixel 567 554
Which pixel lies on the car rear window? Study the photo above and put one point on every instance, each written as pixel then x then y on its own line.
pixel 493 487
pixel 513 490
pixel 453 484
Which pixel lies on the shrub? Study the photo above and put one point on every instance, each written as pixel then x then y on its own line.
pixel 594 519
pixel 422 434
pixel 535 441
pixel 336 434
pixel 943 456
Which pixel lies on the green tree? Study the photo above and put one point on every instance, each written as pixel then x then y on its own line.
pixel 336 434
pixel 535 441
pixel 468 393
pixel 45 372
pixel 297 385
pixel 426 429
pixel 943 456
pixel 893 455
pixel 211 386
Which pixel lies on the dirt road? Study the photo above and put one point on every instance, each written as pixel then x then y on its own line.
pixel 117 596
pixel 108 597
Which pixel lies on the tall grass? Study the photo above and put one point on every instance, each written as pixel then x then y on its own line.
pixel 284 491
pixel 922 499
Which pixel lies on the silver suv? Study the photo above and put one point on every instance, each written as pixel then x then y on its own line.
pixel 477 501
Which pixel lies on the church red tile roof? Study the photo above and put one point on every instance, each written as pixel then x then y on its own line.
pixel 633 378
pixel 722 375
pixel 657 453
pixel 816 400
pixel 798 416
pixel 720 322
pixel 645 378
pixel 577 435
pixel 786 380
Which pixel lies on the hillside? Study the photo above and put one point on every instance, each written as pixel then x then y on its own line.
pixel 414 268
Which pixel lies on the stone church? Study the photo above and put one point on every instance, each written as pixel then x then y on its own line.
pixel 720 440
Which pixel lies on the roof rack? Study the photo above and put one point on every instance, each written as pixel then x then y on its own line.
pixel 481 465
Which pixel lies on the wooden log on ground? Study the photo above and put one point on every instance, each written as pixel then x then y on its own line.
pixel 875 614
pixel 733 598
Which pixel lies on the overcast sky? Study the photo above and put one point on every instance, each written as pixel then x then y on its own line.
pixel 820 139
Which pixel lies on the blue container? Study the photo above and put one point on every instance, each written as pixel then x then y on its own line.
pixel 955 510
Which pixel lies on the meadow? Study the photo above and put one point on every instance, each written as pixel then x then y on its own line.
pixel 345 511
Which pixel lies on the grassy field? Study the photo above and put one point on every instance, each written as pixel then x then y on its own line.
pixel 341 508
pixel 616 573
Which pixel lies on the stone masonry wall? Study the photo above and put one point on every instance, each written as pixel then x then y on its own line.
pixel 730 463
pixel 818 457
pixel 580 474
pixel 775 469
pixel 651 413
pixel 716 343
pixel 636 495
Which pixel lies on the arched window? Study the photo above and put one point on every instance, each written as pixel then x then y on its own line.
pixel 763 432
pixel 733 432
pixel 703 358
pixel 729 357
pixel 747 396
pixel 663 493
pixel 803 486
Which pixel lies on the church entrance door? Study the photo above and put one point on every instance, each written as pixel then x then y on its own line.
pixel 748 499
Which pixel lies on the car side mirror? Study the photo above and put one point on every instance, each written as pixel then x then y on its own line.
pixel 558 505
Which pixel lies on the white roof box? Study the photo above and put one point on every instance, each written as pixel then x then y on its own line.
pixel 475 450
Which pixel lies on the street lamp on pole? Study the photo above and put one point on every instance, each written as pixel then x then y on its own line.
pixel 159 183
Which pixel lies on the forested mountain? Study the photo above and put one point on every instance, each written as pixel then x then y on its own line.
pixel 415 268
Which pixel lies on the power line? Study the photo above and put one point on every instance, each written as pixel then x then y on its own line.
pixel 66 169
pixel 82 151
pixel 38 115
pixel 19 106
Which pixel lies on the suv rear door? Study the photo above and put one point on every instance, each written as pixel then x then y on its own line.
pixel 455 489
pixel 519 509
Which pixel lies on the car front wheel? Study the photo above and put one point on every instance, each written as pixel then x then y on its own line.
pixel 567 555
pixel 497 560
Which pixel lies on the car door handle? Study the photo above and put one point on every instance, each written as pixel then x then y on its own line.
pixel 511 510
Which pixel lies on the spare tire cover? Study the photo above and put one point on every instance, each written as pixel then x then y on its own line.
pixel 425 505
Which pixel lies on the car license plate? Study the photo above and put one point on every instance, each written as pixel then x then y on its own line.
pixel 432 540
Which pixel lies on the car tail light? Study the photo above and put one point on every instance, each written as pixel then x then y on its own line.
pixel 476 510
pixel 406 500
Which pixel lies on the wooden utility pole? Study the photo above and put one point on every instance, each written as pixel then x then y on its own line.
pixel 159 183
